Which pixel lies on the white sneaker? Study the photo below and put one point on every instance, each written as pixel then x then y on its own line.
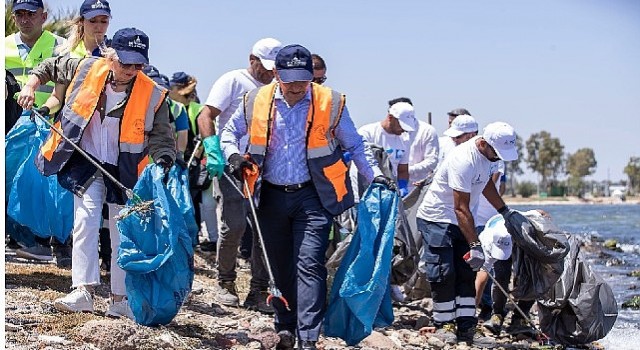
pixel 119 309
pixel 396 293
pixel 80 300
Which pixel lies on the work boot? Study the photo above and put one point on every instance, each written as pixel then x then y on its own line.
pixel 307 345
pixel 257 301
pixel 447 334
pixel 474 337
pixel 227 294
pixel 494 324
pixel 485 313
pixel 520 326
pixel 287 340
pixel 37 252
pixel 62 257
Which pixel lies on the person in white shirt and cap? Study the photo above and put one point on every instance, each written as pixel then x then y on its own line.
pixel 461 129
pixel 388 135
pixel 445 142
pixel 497 245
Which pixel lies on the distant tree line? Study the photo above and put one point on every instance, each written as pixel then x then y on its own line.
pixel 560 173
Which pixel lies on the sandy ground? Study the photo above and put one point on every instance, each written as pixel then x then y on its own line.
pixel 31 322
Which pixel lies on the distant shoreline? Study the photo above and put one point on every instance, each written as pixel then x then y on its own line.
pixel 568 200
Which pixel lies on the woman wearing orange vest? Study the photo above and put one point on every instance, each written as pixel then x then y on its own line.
pixel 117 115
pixel 297 130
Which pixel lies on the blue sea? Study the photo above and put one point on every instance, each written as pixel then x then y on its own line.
pixel 608 221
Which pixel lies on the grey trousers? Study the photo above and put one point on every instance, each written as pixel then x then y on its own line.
pixel 232 220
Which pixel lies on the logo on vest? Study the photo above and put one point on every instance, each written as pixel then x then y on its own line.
pixel 138 127
pixel 137 43
pixel 319 134
pixel 99 5
pixel 296 62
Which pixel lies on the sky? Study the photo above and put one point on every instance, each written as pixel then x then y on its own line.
pixel 569 67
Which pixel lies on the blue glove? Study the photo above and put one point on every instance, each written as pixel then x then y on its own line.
pixel 215 159
pixel 346 157
pixel 403 187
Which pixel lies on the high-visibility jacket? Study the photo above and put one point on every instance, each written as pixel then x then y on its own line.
pixel 43 48
pixel 328 171
pixel 193 110
pixel 81 101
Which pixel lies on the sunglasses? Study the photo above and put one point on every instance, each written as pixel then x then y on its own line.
pixel 319 80
pixel 136 66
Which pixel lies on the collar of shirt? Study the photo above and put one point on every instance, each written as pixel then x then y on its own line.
pixel 23 49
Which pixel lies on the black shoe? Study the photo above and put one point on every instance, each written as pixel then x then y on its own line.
pixel 62 257
pixel 257 300
pixel 208 246
pixel 485 313
pixel 287 340
pixel 308 345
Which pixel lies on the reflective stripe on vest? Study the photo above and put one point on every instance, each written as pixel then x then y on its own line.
pixel 81 101
pixel 43 48
pixel 326 167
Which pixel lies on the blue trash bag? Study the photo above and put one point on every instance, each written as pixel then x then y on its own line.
pixel 18 143
pixel 360 297
pixel 178 186
pixel 35 201
pixel 155 251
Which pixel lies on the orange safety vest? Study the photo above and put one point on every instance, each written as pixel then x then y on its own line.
pixel 81 102
pixel 328 171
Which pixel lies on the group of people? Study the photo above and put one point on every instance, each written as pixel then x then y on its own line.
pixel 274 120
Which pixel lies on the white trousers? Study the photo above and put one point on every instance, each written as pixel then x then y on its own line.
pixel 209 224
pixel 85 268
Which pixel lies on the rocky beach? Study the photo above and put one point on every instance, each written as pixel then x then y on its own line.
pixel 31 322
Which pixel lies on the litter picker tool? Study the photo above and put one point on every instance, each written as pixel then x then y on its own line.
pixel 195 150
pixel 139 204
pixel 541 336
pixel 274 292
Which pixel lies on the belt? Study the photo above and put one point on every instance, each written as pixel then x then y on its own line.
pixel 288 188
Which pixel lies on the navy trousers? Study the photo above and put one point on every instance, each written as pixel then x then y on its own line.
pixel 295 227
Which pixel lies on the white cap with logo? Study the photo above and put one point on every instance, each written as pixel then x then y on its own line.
pixel 461 124
pixel 266 50
pixel 405 114
pixel 495 239
pixel 502 137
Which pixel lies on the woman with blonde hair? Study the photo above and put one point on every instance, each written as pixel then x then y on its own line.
pixel 88 30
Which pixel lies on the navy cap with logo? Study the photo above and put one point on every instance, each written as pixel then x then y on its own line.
pixel 131 45
pixel 28 5
pixel 92 8
pixel 294 63
pixel 153 73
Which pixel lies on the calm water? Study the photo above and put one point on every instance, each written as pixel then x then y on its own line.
pixel 621 222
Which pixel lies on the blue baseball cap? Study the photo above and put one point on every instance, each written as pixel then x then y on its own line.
pixel 153 73
pixel 28 5
pixel 294 63
pixel 131 45
pixel 93 8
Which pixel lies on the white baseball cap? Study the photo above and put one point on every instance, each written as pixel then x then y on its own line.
pixel 266 50
pixel 462 124
pixel 405 114
pixel 495 239
pixel 502 137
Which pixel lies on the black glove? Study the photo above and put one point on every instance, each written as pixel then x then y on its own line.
pixel 387 182
pixel 43 111
pixel 238 163
pixel 506 212
pixel 165 162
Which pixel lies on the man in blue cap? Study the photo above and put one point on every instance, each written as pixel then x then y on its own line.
pixel 297 131
pixel 116 114
pixel 23 51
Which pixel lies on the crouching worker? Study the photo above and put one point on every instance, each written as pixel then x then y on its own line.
pixel 116 115
pixel 297 130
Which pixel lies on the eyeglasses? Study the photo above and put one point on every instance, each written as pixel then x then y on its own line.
pixel 319 80
pixel 136 66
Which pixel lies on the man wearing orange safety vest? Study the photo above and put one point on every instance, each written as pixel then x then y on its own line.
pixel 119 117
pixel 297 131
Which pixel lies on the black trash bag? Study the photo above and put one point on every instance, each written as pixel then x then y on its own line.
pixel 405 258
pixel 581 307
pixel 538 257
